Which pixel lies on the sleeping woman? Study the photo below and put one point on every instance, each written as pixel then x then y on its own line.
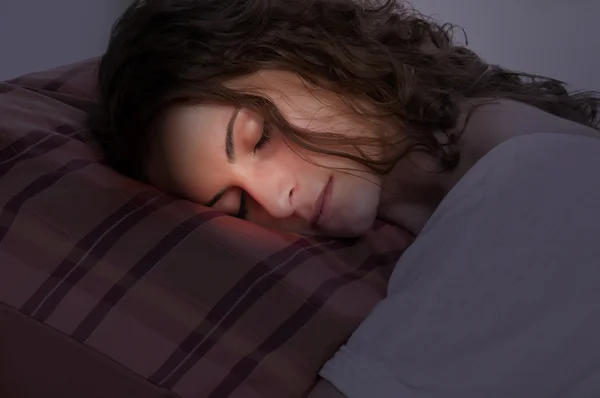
pixel 320 116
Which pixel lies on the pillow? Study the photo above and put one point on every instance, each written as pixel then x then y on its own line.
pixel 169 293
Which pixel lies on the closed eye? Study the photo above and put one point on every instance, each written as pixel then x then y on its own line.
pixel 264 138
pixel 243 209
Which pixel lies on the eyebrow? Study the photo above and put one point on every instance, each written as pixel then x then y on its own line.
pixel 229 151
pixel 229 147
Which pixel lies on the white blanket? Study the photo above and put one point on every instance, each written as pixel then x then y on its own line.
pixel 500 294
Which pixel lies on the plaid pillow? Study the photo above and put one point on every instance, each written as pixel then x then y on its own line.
pixel 192 300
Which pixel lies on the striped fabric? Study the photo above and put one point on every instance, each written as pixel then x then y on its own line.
pixel 196 302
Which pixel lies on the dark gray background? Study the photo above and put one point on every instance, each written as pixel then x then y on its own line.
pixel 550 37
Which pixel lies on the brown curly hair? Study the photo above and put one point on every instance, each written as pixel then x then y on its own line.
pixel 382 58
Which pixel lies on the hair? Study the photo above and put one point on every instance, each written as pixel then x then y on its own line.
pixel 382 58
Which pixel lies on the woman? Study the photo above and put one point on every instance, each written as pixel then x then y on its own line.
pixel 262 109
pixel 313 116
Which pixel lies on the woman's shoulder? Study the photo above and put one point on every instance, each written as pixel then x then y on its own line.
pixel 531 169
pixel 524 152
pixel 537 143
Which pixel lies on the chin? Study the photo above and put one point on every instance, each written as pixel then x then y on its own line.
pixel 349 227
pixel 356 217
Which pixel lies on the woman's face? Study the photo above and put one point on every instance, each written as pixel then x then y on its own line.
pixel 234 161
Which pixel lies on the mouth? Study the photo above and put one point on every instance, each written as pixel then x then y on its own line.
pixel 322 205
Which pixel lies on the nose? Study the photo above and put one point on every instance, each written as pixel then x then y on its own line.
pixel 274 192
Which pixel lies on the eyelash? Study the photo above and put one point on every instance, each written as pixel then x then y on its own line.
pixel 264 140
pixel 242 212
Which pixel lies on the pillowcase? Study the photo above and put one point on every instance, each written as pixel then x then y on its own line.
pixel 187 299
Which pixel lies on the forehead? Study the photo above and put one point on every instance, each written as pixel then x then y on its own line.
pixel 186 119
pixel 195 132
pixel 191 142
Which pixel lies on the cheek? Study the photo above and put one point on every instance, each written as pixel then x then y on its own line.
pixel 298 162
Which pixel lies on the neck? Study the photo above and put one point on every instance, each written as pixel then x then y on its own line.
pixel 412 192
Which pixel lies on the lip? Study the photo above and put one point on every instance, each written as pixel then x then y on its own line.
pixel 322 204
